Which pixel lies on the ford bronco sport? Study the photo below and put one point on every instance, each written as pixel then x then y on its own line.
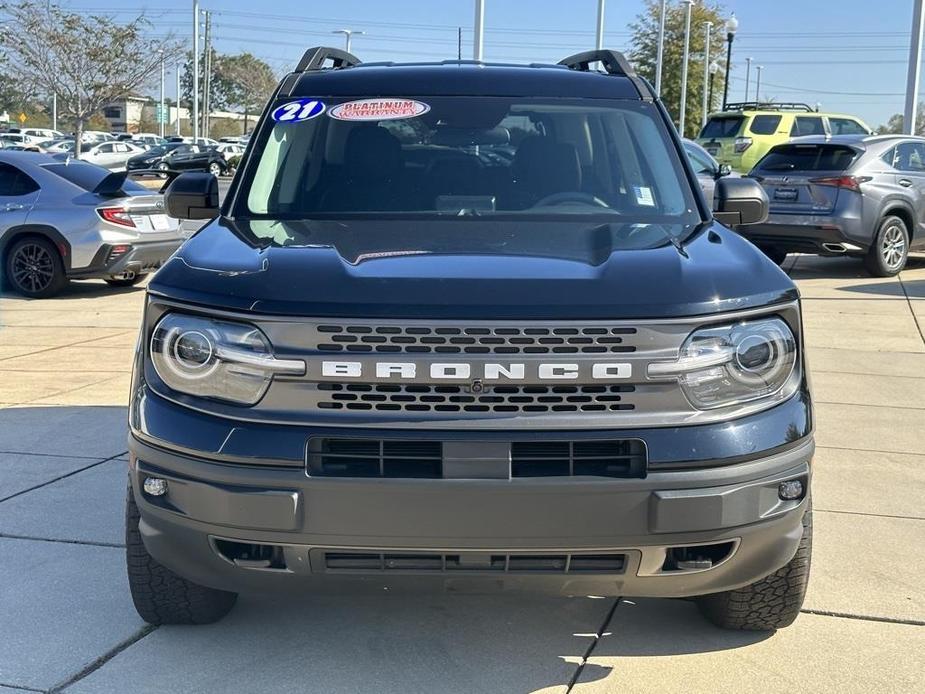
pixel 469 326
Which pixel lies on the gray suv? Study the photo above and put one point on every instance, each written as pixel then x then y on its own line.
pixel 861 196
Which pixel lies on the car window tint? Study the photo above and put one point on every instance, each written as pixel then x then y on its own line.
pixel 796 157
pixel 764 125
pixel 722 126
pixel 88 176
pixel 846 126
pixel 14 182
pixel 910 156
pixel 807 125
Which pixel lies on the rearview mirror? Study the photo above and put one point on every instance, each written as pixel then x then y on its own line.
pixel 192 196
pixel 739 201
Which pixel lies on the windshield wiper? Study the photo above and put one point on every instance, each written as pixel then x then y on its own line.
pixel 671 238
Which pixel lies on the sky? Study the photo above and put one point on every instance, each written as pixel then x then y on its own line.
pixel 847 55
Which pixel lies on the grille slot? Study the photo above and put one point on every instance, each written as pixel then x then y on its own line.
pixel 606 458
pixel 436 562
pixel 475 340
pixel 330 457
pixel 385 397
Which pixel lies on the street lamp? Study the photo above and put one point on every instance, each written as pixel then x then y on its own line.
pixel 161 119
pixel 347 34
pixel 748 75
pixel 706 70
pixel 758 83
pixel 687 55
pixel 660 51
pixel 732 26
pixel 714 68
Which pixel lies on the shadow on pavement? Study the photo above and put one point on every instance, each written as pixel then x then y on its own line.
pixel 80 289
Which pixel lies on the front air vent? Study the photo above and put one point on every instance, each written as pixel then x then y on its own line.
pixel 343 457
pixel 605 458
pixel 448 563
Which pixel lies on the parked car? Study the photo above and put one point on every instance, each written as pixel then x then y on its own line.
pixel 480 373
pixel 862 196
pixel 93 136
pixel 111 155
pixel 201 141
pixel 147 140
pixel 75 220
pixel 744 132
pixel 234 140
pixel 15 138
pixel 708 170
pixel 57 146
pixel 229 149
pixel 37 135
pixel 179 156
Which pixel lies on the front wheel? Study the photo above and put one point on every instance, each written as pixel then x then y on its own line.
pixel 160 595
pixel 215 169
pixel 890 249
pixel 771 603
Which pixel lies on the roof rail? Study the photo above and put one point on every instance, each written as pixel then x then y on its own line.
pixel 769 106
pixel 315 59
pixel 614 62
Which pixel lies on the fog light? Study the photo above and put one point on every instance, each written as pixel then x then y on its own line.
pixel 788 491
pixel 155 486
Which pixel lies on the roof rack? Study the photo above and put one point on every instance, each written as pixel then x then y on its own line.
pixel 614 62
pixel 769 106
pixel 315 59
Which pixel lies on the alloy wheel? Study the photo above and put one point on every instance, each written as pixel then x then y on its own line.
pixel 215 169
pixel 32 268
pixel 893 247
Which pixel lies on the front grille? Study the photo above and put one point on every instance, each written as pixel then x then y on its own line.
pixel 435 562
pixel 403 458
pixel 613 458
pixel 474 340
pixel 451 398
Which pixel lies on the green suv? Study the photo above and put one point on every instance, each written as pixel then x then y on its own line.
pixel 745 132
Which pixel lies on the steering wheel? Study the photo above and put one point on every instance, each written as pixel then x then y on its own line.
pixel 570 197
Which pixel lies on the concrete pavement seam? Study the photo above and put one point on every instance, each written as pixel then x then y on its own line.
pixel 861 404
pixel 872 515
pixel 39 401
pixel 20 687
pixel 915 318
pixel 57 479
pixel 866 450
pixel 51 455
pixel 865 618
pixel 105 658
pixel 591 646
pixel 36 538
pixel 70 344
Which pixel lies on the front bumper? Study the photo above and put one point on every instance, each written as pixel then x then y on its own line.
pixel 141 258
pixel 306 520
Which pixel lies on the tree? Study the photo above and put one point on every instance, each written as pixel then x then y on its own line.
pixel 251 81
pixel 645 49
pixel 894 125
pixel 88 61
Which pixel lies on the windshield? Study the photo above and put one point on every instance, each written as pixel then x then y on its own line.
pixel 509 158
pixel 88 176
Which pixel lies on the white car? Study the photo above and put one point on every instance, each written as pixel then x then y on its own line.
pixel 229 149
pixel 147 140
pixel 201 141
pixel 96 136
pixel 38 134
pixel 111 155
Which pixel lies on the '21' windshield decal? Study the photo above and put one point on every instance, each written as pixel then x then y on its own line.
pixel 297 111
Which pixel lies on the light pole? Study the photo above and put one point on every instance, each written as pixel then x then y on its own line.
pixel 348 33
pixel 684 62
pixel 915 65
pixel 178 98
pixel 54 111
pixel 758 83
pixel 748 74
pixel 599 37
pixel 478 31
pixel 714 68
pixel 195 117
pixel 162 117
pixel 660 51
pixel 732 25
pixel 706 70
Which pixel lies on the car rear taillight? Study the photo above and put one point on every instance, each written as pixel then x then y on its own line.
pixel 116 215
pixel 849 182
pixel 741 144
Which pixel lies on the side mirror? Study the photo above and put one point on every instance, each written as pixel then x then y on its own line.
pixel 192 196
pixel 724 170
pixel 739 201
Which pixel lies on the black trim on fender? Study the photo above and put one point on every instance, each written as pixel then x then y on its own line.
pixel 48 232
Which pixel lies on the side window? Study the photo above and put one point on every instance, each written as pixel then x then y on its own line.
pixel 106 149
pixel 807 125
pixel 889 157
pixel 910 156
pixel 764 125
pixel 846 126
pixel 14 182
pixel 701 165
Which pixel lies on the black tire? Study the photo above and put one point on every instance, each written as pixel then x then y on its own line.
pixel 771 603
pixel 160 595
pixel 890 249
pixel 121 282
pixel 34 268
pixel 775 254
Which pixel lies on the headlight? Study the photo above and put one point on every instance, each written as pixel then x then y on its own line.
pixel 216 359
pixel 733 364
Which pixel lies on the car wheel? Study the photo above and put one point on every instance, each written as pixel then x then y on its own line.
pixel 124 281
pixel 162 166
pixel 215 169
pixel 34 268
pixel 890 249
pixel 771 603
pixel 160 595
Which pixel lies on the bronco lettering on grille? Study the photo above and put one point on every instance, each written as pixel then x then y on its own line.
pixel 464 371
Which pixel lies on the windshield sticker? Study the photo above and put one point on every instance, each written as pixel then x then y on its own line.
pixel 378 109
pixel 298 111
pixel 644 196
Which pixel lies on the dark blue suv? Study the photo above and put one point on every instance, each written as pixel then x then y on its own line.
pixel 465 323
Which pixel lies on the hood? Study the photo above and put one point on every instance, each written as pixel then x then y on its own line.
pixel 470 269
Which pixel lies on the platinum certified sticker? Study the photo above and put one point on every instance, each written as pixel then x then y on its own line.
pixel 378 109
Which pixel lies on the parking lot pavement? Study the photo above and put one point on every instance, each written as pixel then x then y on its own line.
pixel 67 622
